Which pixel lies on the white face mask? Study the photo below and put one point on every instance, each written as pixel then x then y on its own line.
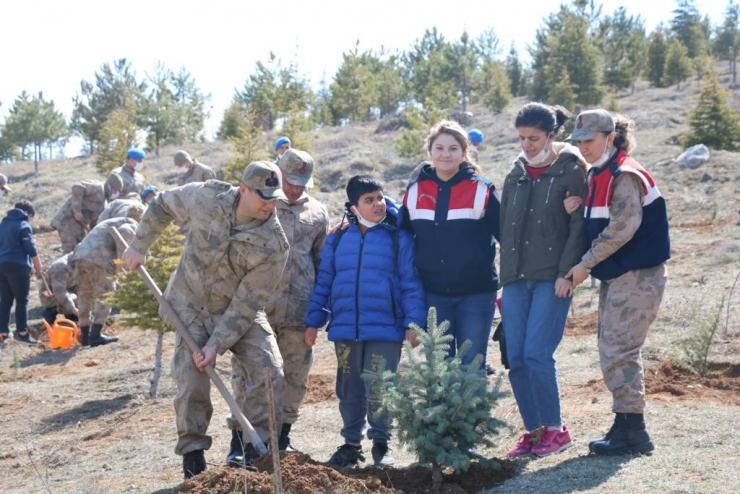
pixel 604 157
pixel 114 195
pixel 182 170
pixel 363 221
pixel 540 157
pixel 139 166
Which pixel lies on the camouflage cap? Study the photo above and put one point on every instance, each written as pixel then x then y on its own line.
pixel 114 182
pixel 591 122
pixel 4 183
pixel 264 178
pixel 182 157
pixel 297 166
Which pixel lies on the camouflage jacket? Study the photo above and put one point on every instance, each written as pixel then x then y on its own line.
pixel 306 224
pixel 100 246
pixel 88 199
pixel 133 181
pixel 197 173
pixel 227 272
pixel 118 208
pixel 61 277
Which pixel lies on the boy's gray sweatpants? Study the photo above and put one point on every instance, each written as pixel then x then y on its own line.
pixel 358 400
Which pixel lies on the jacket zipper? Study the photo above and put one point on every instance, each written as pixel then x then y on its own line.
pixel 357 288
pixel 549 188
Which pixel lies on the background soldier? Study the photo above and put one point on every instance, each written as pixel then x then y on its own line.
pixel 80 212
pixel 4 187
pixel 61 278
pixel 94 259
pixel 235 252
pixel 121 208
pixel 133 181
pixel 191 170
pixel 305 222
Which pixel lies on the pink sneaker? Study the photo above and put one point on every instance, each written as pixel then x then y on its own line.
pixel 525 443
pixel 553 442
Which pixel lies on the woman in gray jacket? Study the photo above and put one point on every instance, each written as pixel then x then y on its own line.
pixel 540 242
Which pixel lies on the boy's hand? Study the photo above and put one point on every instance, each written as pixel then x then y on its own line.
pixel 571 203
pixel 412 338
pixel 310 336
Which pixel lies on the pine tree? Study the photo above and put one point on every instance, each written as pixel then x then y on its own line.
pixel 498 95
pixel 138 305
pixel 657 50
pixel 712 122
pixel 442 408
pixel 250 146
pixel 116 136
pixel 677 64
pixel 727 41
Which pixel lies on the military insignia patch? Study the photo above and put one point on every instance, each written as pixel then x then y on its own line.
pixel 272 181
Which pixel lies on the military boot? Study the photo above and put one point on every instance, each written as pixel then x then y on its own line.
pixel 630 438
pixel 284 439
pixel 241 455
pixel 193 463
pixel 97 339
pixel 618 420
pixel 83 336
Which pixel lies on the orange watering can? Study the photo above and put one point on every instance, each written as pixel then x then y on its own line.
pixel 63 334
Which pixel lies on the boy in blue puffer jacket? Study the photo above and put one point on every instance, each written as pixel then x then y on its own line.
pixel 368 285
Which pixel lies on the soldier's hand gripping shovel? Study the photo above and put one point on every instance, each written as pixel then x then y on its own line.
pixel 188 338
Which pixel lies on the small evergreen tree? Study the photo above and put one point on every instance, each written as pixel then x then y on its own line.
pixel 248 147
pixel 138 305
pixel 657 50
pixel 410 144
pixel 442 408
pixel 677 64
pixel 712 122
pixel 498 95
pixel 116 136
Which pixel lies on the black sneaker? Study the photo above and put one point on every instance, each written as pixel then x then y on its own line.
pixel 381 455
pixel 193 463
pixel 25 337
pixel 346 456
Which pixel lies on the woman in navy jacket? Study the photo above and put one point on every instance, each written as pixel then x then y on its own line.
pixel 17 255
pixel 453 212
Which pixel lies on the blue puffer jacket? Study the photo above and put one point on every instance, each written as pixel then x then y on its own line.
pixel 16 239
pixel 369 295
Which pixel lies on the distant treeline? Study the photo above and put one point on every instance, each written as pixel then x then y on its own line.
pixel 579 55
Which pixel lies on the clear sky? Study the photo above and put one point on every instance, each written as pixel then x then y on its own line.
pixel 51 45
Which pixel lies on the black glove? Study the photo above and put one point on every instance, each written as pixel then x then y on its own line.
pixel 500 336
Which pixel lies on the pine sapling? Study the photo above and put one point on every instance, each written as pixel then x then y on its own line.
pixel 442 408
pixel 695 358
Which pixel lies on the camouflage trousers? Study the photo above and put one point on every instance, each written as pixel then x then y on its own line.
pixel 297 361
pixel 255 351
pixel 93 284
pixel 627 307
pixel 71 233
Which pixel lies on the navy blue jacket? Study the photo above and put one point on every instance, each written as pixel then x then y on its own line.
pixel 16 239
pixel 454 224
pixel 370 291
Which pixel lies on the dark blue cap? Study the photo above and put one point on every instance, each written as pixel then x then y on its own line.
pixel 135 153
pixel 475 136
pixel 281 141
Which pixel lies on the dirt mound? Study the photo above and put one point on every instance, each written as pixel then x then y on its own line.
pixel 302 475
pixel 582 325
pixel 671 382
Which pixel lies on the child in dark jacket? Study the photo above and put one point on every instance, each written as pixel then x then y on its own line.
pixel 368 285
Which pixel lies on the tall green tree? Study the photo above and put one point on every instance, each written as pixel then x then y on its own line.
pixel 115 86
pixel 35 122
pixel 425 72
pixel 353 91
pixel 678 66
pixel 513 67
pixel 498 92
pixel 621 38
pixel 688 27
pixel 712 122
pixel 194 103
pixel 461 64
pixel 657 52
pixel 727 41
pixel 117 135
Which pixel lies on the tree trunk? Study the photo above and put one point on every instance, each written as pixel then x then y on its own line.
pixel 157 365
pixel 36 152
pixel 436 477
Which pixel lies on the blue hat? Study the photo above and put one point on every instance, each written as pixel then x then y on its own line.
pixel 135 153
pixel 281 141
pixel 475 136
pixel 148 190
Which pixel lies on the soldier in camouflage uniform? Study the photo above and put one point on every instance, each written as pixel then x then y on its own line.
pixel 80 212
pixel 133 181
pixel 306 222
pixel 61 278
pixel 94 259
pixel 235 252
pixel 627 224
pixel 190 170
pixel 121 208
